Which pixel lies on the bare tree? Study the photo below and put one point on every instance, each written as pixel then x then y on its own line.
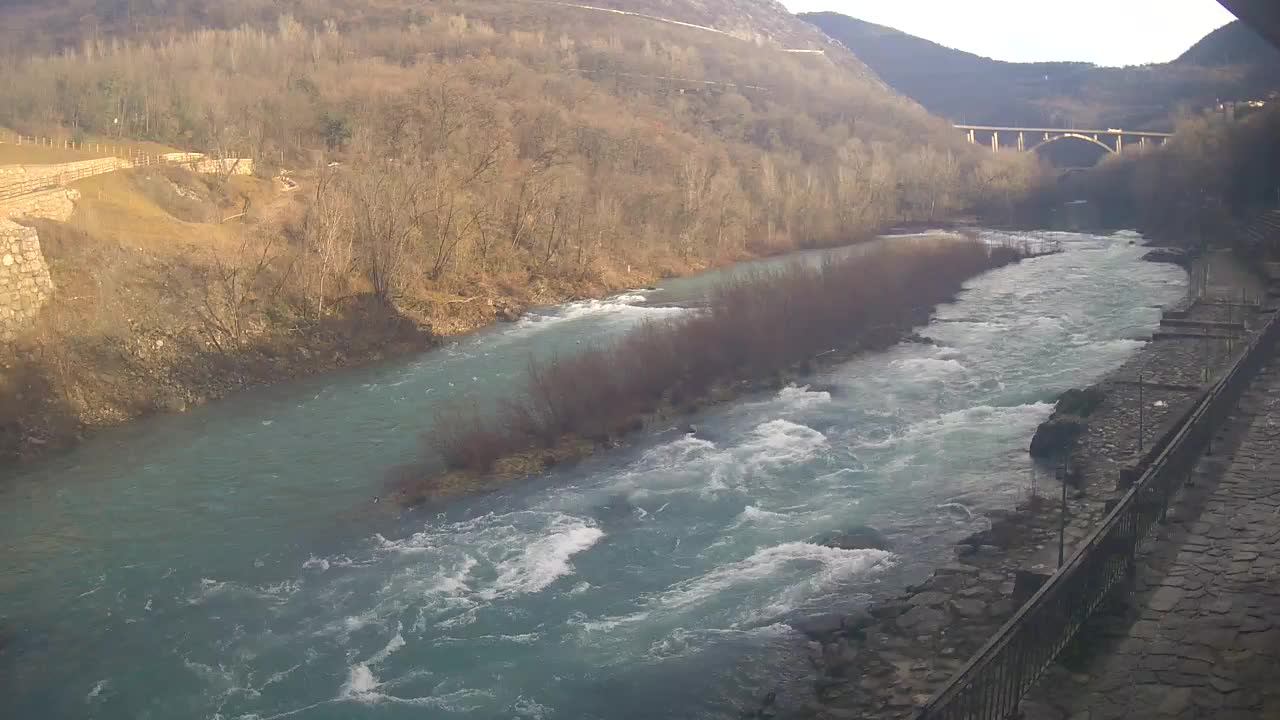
pixel 383 195
pixel 231 287
pixel 327 235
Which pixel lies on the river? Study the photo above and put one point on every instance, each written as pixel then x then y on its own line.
pixel 231 562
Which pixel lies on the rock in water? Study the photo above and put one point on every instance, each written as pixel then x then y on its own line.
pixel 1080 403
pixel 507 311
pixel 1055 437
pixel 818 627
pixel 1176 256
pixel 860 537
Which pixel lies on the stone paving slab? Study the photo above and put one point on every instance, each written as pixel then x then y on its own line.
pixel 1212 312
pixel 1182 360
pixel 1201 636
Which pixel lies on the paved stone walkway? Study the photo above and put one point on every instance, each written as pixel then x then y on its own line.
pixel 1201 636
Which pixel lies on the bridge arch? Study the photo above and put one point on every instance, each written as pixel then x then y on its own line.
pixel 1073 136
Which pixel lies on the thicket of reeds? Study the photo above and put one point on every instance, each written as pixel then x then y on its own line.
pixel 752 327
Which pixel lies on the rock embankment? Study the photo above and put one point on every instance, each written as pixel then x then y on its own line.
pixel 25 284
pixel 1056 436
pixel 1175 256
pixel 889 659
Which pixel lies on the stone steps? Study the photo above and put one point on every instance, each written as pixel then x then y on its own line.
pixel 1201 324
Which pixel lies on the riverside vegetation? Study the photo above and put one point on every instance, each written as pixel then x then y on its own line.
pixel 1213 176
pixel 759 327
pixel 488 156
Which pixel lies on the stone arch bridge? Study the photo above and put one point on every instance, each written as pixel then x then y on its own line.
pixel 1030 139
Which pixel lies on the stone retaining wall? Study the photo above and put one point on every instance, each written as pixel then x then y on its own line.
pixel 224 166
pixel 56 204
pixel 99 166
pixel 25 284
pixel 11 175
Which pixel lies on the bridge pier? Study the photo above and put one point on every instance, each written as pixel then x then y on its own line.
pixel 973 140
pixel 995 141
pixel 1022 142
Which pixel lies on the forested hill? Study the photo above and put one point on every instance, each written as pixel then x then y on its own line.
pixel 1232 44
pixel 970 88
pixel 44 26
pixel 777 146
pixel 455 158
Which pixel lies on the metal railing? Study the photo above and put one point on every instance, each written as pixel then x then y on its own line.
pixel 993 682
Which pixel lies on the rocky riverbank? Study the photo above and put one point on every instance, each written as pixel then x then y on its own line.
pixel 58 387
pixel 889 659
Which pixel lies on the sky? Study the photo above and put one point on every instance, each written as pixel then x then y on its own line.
pixel 1104 32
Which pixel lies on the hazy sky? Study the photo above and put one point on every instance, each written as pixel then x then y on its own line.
pixel 1106 32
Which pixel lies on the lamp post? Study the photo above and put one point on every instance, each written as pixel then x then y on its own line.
pixel 1142 416
pixel 1062 514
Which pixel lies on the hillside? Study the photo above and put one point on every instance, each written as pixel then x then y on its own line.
pixel 1232 44
pixel 458 161
pixel 973 89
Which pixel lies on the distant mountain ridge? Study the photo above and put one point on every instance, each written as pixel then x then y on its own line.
pixel 1231 63
pixel 1232 44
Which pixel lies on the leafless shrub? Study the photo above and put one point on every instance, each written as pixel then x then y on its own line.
pixel 753 327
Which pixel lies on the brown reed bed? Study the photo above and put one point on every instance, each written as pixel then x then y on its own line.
pixel 761 326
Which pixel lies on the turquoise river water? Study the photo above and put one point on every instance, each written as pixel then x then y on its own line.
pixel 230 562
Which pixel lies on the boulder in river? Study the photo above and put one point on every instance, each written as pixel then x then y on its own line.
pixel 826 626
pixel 819 627
pixel 1057 436
pixel 507 311
pixel 1080 403
pixel 859 537
pixel 919 339
pixel 1176 256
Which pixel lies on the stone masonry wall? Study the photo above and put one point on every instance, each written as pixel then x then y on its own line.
pixel 196 162
pixel 52 205
pixel 99 166
pixel 25 284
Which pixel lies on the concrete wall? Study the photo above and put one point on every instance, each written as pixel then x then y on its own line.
pixel 25 284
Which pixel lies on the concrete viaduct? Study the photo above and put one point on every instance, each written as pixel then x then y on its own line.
pixel 1029 139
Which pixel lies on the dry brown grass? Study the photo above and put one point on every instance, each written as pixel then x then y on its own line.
pixel 11 154
pixel 89 147
pixel 122 207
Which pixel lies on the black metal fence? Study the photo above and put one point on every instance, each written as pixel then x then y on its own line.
pixel 993 682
